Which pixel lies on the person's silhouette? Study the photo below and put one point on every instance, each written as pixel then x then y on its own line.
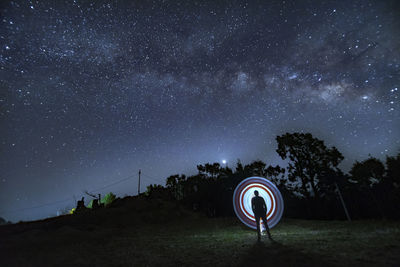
pixel 260 212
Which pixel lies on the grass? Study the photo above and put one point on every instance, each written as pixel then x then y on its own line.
pixel 199 241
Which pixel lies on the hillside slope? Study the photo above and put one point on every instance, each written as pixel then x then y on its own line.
pixel 154 232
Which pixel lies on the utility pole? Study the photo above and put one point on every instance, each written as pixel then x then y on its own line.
pixel 138 189
pixel 343 204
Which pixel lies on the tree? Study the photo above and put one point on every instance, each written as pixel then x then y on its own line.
pixel 369 175
pixel 176 185
pixel 172 181
pixel 393 170
pixel 309 161
pixel 368 172
pixel 239 166
pixel 257 167
pixel 210 170
pixel 392 185
pixel 153 189
pixel 277 175
pixel 108 199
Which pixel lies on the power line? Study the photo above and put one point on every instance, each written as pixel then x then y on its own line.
pixel 112 184
pixel 92 191
pixel 68 199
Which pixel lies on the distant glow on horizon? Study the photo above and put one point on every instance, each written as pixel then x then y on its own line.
pixel 223 161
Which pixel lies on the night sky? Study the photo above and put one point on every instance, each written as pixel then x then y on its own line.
pixel 92 92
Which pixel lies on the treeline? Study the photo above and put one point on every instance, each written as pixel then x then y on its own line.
pixel 312 185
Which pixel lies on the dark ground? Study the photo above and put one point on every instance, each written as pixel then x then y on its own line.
pixel 140 232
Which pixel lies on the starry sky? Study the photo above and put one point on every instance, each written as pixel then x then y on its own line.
pixel 93 91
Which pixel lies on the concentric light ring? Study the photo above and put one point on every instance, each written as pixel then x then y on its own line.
pixel 243 194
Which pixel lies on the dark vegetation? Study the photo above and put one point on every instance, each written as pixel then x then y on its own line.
pixel 94 204
pixel 167 226
pixel 309 184
pixel 150 231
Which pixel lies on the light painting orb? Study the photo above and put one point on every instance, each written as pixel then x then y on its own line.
pixel 243 194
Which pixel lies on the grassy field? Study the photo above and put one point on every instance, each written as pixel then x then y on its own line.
pixel 199 241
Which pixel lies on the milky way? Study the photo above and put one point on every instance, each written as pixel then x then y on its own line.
pixel 92 92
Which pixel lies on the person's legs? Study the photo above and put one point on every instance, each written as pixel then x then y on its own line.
pixel 264 218
pixel 258 227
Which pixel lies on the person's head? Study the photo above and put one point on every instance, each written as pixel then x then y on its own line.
pixel 256 192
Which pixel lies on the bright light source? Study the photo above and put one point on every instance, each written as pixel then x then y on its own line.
pixel 243 194
pixel 223 161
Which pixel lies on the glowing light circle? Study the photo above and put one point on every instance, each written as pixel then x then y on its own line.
pixel 243 194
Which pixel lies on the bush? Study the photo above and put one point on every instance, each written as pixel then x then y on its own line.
pixel 108 199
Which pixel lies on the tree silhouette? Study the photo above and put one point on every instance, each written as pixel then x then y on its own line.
pixel 393 171
pixel 239 167
pixel 277 175
pixel 309 184
pixel 255 168
pixel 368 176
pixel 368 172
pixel 210 170
pixel 309 158
pixel 391 186
pixel 176 184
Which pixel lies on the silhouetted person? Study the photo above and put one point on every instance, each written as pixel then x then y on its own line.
pixel 81 204
pixel 260 212
pixel 95 204
pixel 101 205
